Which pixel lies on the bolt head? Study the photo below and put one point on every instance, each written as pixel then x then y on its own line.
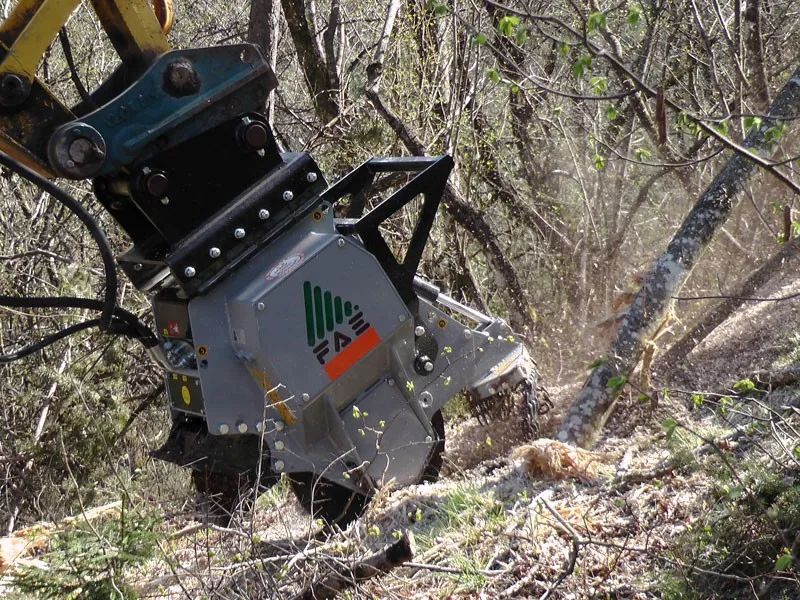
pixel 137 267
pixel 242 427
pixel 288 196
pixel 311 177
pixel 224 429
pixel 279 425
pixel 279 465
pixel 467 334
pixel 279 445
pixel 261 306
pixel 305 397
pixel 419 330
pixel 428 366
pixel 165 201
pixel 260 426
pixel 214 252
pixel 340 243
pixel 428 439
pixel 238 233
pixel 254 135
pixel 189 272
pixel 401 318
pixel 156 183
pixel 390 382
pixel 263 214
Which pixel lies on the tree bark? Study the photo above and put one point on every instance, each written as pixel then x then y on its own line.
pixel 262 30
pixel 650 308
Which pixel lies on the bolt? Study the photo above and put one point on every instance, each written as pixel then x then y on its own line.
pixel 263 214
pixel 492 390
pixel 340 243
pixel 180 79
pixel 431 316
pixel 13 90
pixel 288 196
pixel 165 201
pixel 419 330
pixel 279 465
pixel 311 177
pixel 242 427
pixel 428 439
pixel 253 134
pixel 137 267
pixel 238 233
pixel 261 306
pixel 279 445
pixel 189 272
pixel 425 399
pixel 467 334
pixel 155 183
pixel 305 397
pixel 259 426
pixel 224 429
pixel 83 151
pixel 390 382
pixel 214 252
pixel 428 366
pixel 279 425
pixel 401 318
pixel 70 164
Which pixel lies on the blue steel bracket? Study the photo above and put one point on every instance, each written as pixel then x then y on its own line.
pixel 183 94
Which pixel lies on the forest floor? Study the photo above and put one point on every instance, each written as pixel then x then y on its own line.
pixel 693 494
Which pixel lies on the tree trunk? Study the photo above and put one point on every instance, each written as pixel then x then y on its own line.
pixel 650 308
pixel 263 30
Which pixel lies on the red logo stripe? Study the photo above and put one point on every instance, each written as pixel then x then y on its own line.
pixel 352 353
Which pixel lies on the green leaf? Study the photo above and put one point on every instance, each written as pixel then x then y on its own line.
pixel 598 83
pixel 669 426
pixel 440 9
pixel 493 75
pixel 599 162
pixel 611 112
pixel 581 65
pixel 507 24
pixel 634 14
pixel 735 492
pixel 521 35
pixel 596 363
pixel 514 88
pixel 596 21
pixel 642 154
pixel 563 49
pixel 784 560
pixel 480 38
pixel 615 383
pixel 697 400
pixel 643 398
pixel 722 127
pixel 751 122
pixel 744 385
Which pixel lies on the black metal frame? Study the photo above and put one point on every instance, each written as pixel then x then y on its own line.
pixel 430 182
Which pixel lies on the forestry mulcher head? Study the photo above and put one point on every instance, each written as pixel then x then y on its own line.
pixel 292 339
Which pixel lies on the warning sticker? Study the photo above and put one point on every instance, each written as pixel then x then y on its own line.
pixel 286 266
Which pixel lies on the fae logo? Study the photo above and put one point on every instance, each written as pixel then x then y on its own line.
pixel 337 326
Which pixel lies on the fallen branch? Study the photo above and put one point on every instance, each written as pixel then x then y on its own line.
pixel 379 563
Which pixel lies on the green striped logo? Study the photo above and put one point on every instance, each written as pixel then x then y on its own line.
pixel 323 312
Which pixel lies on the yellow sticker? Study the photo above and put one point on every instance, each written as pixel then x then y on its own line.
pixel 186 395
pixel 184 378
pixel 175 376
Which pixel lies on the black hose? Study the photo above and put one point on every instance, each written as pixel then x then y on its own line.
pixel 129 324
pixel 46 341
pixel 106 254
